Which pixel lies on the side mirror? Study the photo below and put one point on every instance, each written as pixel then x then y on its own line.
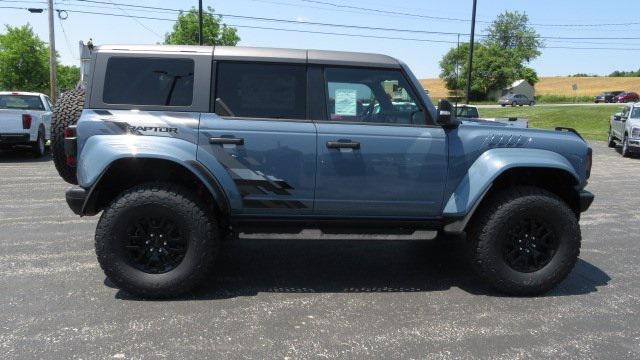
pixel 617 116
pixel 446 114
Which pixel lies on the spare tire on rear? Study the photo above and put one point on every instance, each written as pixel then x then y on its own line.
pixel 66 112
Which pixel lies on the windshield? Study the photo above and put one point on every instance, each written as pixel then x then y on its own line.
pixel 635 113
pixel 467 112
pixel 21 102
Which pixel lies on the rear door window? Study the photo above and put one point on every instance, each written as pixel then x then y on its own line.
pixel 261 90
pixel 149 81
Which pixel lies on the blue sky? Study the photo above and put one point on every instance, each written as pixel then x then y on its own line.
pixel 422 57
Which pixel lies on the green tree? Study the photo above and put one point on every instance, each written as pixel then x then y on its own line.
pixel 511 31
pixel 185 30
pixel 23 60
pixel 498 60
pixel 68 77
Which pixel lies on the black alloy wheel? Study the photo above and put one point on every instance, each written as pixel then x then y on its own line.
pixel 530 245
pixel 155 245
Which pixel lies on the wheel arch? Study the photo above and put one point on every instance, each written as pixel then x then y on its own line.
pixel 126 172
pixel 498 169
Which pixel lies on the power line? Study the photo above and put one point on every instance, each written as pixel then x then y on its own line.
pixel 384 11
pixel 345 34
pixel 365 9
pixel 351 26
pixel 287 20
pixel 136 20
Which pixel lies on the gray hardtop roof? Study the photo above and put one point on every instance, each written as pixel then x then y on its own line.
pixel 264 54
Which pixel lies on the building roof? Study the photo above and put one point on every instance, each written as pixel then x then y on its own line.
pixel 264 54
pixel 518 83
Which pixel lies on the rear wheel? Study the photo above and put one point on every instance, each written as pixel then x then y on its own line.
pixel 38 147
pixel 625 147
pixel 531 103
pixel 66 112
pixel 611 141
pixel 157 240
pixel 525 241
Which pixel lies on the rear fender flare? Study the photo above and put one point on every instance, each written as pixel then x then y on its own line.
pixel 101 151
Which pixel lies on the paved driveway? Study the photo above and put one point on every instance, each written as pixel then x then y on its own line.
pixel 279 298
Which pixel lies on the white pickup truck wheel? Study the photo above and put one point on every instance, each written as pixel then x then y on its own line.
pixel 38 146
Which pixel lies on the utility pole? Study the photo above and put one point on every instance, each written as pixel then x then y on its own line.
pixel 457 94
pixel 473 30
pixel 200 38
pixel 52 55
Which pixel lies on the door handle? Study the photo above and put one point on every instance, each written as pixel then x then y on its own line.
pixel 343 144
pixel 226 140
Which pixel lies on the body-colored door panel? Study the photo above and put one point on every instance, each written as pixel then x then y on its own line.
pixel 397 171
pixel 272 163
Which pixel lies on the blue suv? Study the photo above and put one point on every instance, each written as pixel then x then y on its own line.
pixel 182 148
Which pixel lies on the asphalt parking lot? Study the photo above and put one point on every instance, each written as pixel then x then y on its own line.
pixel 290 299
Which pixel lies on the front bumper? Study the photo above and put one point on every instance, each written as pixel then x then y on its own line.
pixel 14 139
pixel 634 142
pixel 586 198
pixel 76 197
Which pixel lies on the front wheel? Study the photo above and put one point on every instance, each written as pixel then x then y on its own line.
pixel 156 240
pixel 525 241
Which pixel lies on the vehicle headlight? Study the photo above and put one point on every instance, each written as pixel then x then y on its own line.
pixel 635 133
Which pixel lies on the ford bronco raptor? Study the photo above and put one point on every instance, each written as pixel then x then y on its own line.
pixel 183 147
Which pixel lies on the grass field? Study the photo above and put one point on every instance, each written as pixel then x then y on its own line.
pixel 558 85
pixel 592 122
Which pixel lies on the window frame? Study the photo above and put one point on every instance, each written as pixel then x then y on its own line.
pixel 201 83
pixel 214 89
pixel 428 122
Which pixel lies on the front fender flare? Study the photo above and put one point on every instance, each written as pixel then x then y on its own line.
pixel 489 166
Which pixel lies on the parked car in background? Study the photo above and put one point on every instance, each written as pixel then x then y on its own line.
pixel 626 97
pixel 516 99
pixel 469 112
pixel 25 119
pixel 607 96
pixel 624 127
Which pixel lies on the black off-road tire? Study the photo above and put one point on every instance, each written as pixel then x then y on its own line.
pixel 611 142
pixel 66 111
pixel 192 219
pixel 38 147
pixel 489 231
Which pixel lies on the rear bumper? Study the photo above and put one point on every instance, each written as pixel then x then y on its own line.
pixel 76 197
pixel 14 139
pixel 586 198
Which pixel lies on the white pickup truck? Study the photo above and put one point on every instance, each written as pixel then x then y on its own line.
pixel 25 119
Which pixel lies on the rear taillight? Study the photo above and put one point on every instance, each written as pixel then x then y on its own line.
pixel 70 132
pixel 70 160
pixel 70 144
pixel 589 162
pixel 26 121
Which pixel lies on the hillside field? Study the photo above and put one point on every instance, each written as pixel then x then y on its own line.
pixel 560 85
